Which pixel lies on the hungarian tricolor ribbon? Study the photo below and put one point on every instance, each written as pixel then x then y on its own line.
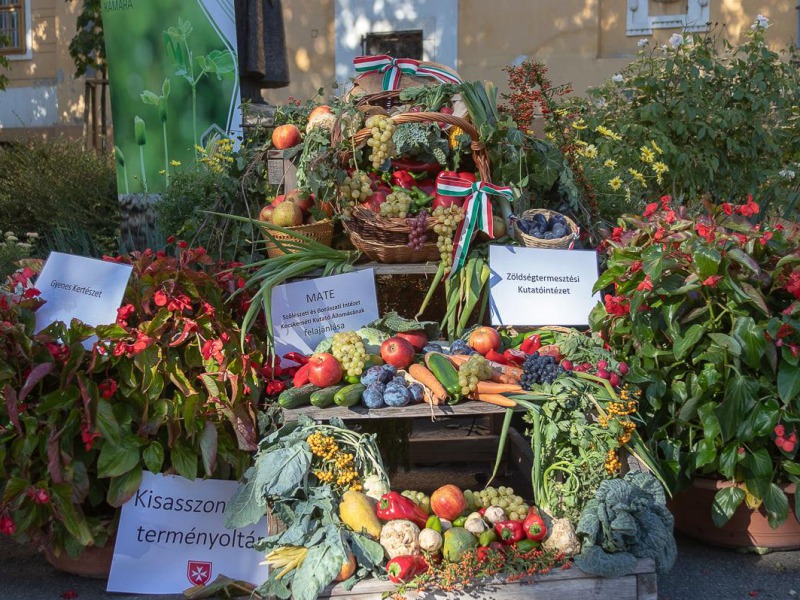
pixel 477 212
pixel 394 68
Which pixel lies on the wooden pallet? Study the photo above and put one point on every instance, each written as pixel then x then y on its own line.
pixel 568 584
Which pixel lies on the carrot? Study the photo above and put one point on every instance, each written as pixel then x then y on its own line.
pixel 422 374
pixel 491 387
pixel 457 359
pixel 496 399
pixel 496 377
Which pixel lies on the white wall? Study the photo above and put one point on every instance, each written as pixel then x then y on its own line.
pixel 438 20
pixel 29 107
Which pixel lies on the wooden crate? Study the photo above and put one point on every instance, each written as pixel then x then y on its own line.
pixel 568 584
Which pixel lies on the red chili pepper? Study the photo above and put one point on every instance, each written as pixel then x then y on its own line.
pixel 393 506
pixel 402 569
pixel 496 357
pixel 404 179
pixel 535 528
pixel 301 377
pixel 296 357
pixel 510 532
pixel 531 344
pixel 516 357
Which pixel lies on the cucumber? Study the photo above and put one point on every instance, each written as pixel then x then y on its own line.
pixel 445 372
pixel 349 395
pixel 297 397
pixel 324 398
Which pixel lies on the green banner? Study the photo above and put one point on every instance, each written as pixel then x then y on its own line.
pixel 173 78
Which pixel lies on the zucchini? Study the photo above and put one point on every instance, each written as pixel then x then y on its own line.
pixel 297 397
pixel 324 398
pixel 445 372
pixel 349 395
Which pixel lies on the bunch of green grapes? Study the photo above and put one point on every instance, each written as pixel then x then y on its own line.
pixel 349 350
pixel 382 129
pixel 355 188
pixel 476 369
pixel 447 220
pixel 514 506
pixel 397 204
pixel 421 499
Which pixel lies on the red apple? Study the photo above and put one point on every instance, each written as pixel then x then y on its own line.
pixel 324 370
pixel 484 339
pixel 397 352
pixel 417 338
pixel 277 200
pixel 286 136
pixel 287 214
pixel 266 213
pixel 301 198
pixel 319 110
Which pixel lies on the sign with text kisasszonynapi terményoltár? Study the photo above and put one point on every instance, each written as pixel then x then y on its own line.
pixel 172 536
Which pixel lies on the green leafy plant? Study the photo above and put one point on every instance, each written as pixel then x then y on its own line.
pixel 165 388
pixel 160 102
pixel 4 63
pixel 87 48
pixel 80 195
pixel 724 115
pixel 706 309
pixel 299 476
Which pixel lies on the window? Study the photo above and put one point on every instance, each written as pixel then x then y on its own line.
pixel 13 33
pixel 406 44
pixel 687 15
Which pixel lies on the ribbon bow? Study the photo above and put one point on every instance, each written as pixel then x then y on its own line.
pixel 394 68
pixel 477 212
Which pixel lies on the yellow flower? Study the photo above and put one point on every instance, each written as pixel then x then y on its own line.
pixel 610 164
pixel 615 183
pixel 580 124
pixel 637 176
pixel 174 163
pixel 647 155
pixel 608 133
pixel 659 167
pixel 655 147
pixel 588 150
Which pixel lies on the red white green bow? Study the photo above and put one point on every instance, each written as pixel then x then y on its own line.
pixel 394 68
pixel 477 212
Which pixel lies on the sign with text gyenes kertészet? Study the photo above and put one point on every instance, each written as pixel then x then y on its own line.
pixel 77 287
pixel 533 286
pixel 172 536
pixel 306 312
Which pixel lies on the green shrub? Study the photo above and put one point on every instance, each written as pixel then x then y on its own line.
pixel 55 187
pixel 724 119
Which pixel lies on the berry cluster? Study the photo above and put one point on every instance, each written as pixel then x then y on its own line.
pixel 397 204
pixel 541 227
pixel 538 369
pixel 382 129
pixel 349 350
pixel 416 230
pixel 447 220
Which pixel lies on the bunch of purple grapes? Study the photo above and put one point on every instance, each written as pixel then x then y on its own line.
pixel 416 230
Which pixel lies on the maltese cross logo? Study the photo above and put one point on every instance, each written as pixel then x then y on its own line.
pixel 198 572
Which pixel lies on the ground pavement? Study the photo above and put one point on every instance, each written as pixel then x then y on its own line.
pixel 701 573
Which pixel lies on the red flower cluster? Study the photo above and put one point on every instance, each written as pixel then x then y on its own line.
pixel 107 388
pixel 7 526
pixel 88 437
pixel 784 442
pixel 617 305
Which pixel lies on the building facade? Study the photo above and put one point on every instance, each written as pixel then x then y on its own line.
pixel 581 41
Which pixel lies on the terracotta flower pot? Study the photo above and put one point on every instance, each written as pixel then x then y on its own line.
pixel 94 561
pixel 747 529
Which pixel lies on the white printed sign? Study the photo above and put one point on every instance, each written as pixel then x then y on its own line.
pixel 532 286
pixel 306 312
pixel 172 536
pixel 76 287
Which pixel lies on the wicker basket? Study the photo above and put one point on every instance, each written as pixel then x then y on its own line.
pixel 562 243
pixel 368 230
pixel 321 231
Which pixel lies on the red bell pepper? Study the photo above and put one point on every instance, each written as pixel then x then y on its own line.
pixel 445 201
pixel 403 179
pixel 402 569
pixel 496 357
pixel 531 344
pixel 516 357
pixel 301 376
pixel 510 532
pixel 535 528
pixel 378 197
pixel 393 506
